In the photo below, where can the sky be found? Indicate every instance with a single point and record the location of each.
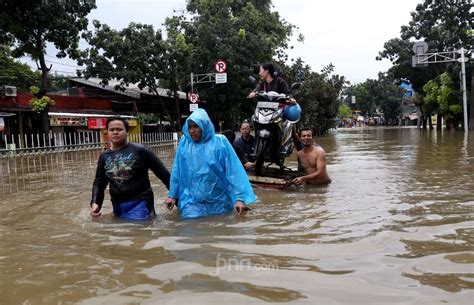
(347, 33)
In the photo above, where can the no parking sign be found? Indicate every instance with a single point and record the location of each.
(220, 66)
(193, 97)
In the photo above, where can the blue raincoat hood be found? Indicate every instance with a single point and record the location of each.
(207, 176)
(201, 119)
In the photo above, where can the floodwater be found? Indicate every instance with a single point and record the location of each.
(394, 227)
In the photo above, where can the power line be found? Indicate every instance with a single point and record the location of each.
(78, 67)
(67, 72)
(59, 63)
(70, 60)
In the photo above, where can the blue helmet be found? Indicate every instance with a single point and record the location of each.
(292, 113)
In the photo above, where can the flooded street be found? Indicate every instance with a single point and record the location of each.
(396, 226)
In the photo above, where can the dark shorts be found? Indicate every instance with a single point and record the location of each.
(132, 210)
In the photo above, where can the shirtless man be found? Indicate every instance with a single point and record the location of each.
(312, 159)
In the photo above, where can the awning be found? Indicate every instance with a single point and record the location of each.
(6, 114)
(90, 115)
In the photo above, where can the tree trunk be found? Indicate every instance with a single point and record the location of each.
(44, 127)
(44, 73)
(401, 113)
(40, 124)
(424, 116)
(450, 125)
(165, 110)
(420, 120)
(439, 126)
(44, 120)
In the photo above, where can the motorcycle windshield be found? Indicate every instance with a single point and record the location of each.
(270, 96)
(207, 176)
(268, 105)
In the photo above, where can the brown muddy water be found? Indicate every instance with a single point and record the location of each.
(394, 227)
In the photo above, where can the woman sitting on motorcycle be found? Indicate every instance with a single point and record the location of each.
(271, 82)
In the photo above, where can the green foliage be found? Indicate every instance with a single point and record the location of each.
(442, 94)
(382, 93)
(34, 90)
(29, 25)
(244, 34)
(178, 58)
(14, 73)
(444, 25)
(344, 111)
(39, 104)
(139, 55)
(365, 100)
(133, 55)
(319, 95)
(146, 118)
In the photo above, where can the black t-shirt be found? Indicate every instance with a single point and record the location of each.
(240, 154)
(126, 172)
(247, 147)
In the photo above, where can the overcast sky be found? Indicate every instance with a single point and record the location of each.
(347, 33)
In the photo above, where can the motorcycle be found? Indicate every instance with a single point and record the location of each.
(273, 126)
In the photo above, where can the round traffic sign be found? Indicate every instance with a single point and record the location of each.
(220, 66)
(420, 47)
(194, 98)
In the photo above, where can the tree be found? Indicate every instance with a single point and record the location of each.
(383, 94)
(344, 111)
(444, 25)
(365, 98)
(15, 73)
(244, 34)
(319, 95)
(440, 94)
(138, 55)
(30, 24)
(387, 95)
(178, 58)
(39, 104)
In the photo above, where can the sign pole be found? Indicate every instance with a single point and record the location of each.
(423, 59)
(219, 78)
(464, 94)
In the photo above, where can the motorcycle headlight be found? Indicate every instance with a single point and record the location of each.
(264, 133)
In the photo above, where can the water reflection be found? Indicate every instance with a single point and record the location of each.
(394, 227)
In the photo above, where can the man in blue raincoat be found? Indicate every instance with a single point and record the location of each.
(207, 177)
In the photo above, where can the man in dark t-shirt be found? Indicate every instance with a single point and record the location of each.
(246, 144)
(124, 167)
(230, 135)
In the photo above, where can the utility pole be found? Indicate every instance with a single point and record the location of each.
(471, 116)
(422, 59)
